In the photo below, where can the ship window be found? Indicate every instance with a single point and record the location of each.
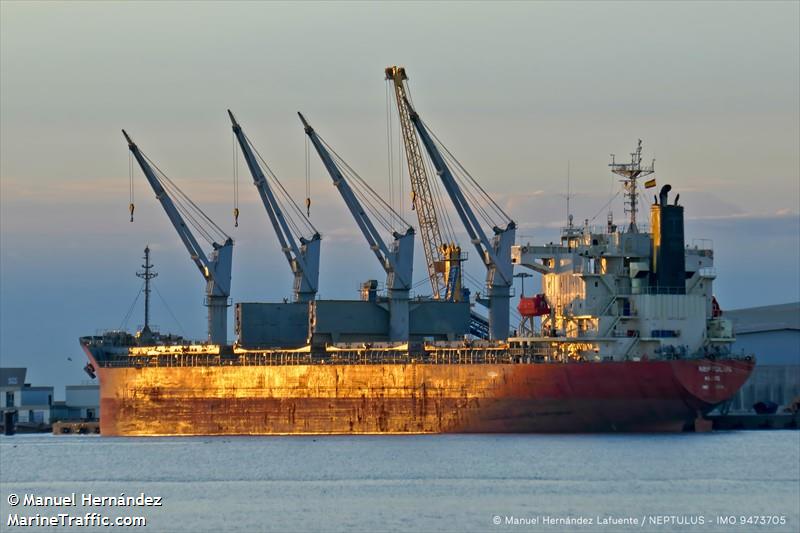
(595, 284)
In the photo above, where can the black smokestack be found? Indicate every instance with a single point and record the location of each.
(668, 272)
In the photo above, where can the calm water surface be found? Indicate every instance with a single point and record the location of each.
(417, 483)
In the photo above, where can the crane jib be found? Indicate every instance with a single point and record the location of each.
(216, 271)
(303, 259)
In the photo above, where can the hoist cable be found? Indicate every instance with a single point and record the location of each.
(475, 202)
(490, 200)
(438, 198)
(210, 225)
(476, 283)
(308, 179)
(605, 206)
(288, 200)
(360, 190)
(367, 197)
(235, 180)
(127, 317)
(389, 145)
(166, 305)
(131, 205)
(363, 185)
(401, 182)
(478, 203)
(458, 164)
(186, 212)
(189, 215)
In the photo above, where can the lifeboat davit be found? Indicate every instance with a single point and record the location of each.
(533, 306)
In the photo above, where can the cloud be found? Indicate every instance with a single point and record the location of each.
(50, 191)
(780, 214)
(515, 202)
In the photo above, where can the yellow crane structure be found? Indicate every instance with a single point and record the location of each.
(443, 259)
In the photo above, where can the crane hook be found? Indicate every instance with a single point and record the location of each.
(131, 208)
(235, 217)
(308, 206)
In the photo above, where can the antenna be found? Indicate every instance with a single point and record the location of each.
(630, 172)
(146, 275)
(569, 195)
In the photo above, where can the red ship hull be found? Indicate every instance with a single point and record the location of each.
(414, 398)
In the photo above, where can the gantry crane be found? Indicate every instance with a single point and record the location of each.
(396, 260)
(495, 254)
(216, 267)
(303, 259)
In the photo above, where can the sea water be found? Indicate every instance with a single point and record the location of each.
(710, 482)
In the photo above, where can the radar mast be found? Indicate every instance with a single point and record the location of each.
(146, 275)
(630, 173)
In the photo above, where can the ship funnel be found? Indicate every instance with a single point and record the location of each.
(662, 196)
(668, 269)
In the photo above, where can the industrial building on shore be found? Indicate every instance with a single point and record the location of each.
(772, 334)
(33, 407)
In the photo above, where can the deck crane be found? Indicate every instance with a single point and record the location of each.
(216, 267)
(396, 260)
(444, 259)
(439, 255)
(496, 254)
(303, 258)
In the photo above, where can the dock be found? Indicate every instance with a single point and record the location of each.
(76, 428)
(756, 421)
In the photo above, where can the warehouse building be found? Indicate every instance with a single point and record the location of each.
(11, 382)
(35, 405)
(30, 405)
(772, 334)
(83, 401)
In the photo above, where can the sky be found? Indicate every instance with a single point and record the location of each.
(519, 92)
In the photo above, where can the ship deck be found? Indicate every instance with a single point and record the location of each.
(464, 356)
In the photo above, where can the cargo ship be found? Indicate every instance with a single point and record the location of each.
(625, 335)
(648, 361)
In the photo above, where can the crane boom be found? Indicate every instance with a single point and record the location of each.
(496, 255)
(397, 261)
(421, 192)
(303, 259)
(216, 269)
